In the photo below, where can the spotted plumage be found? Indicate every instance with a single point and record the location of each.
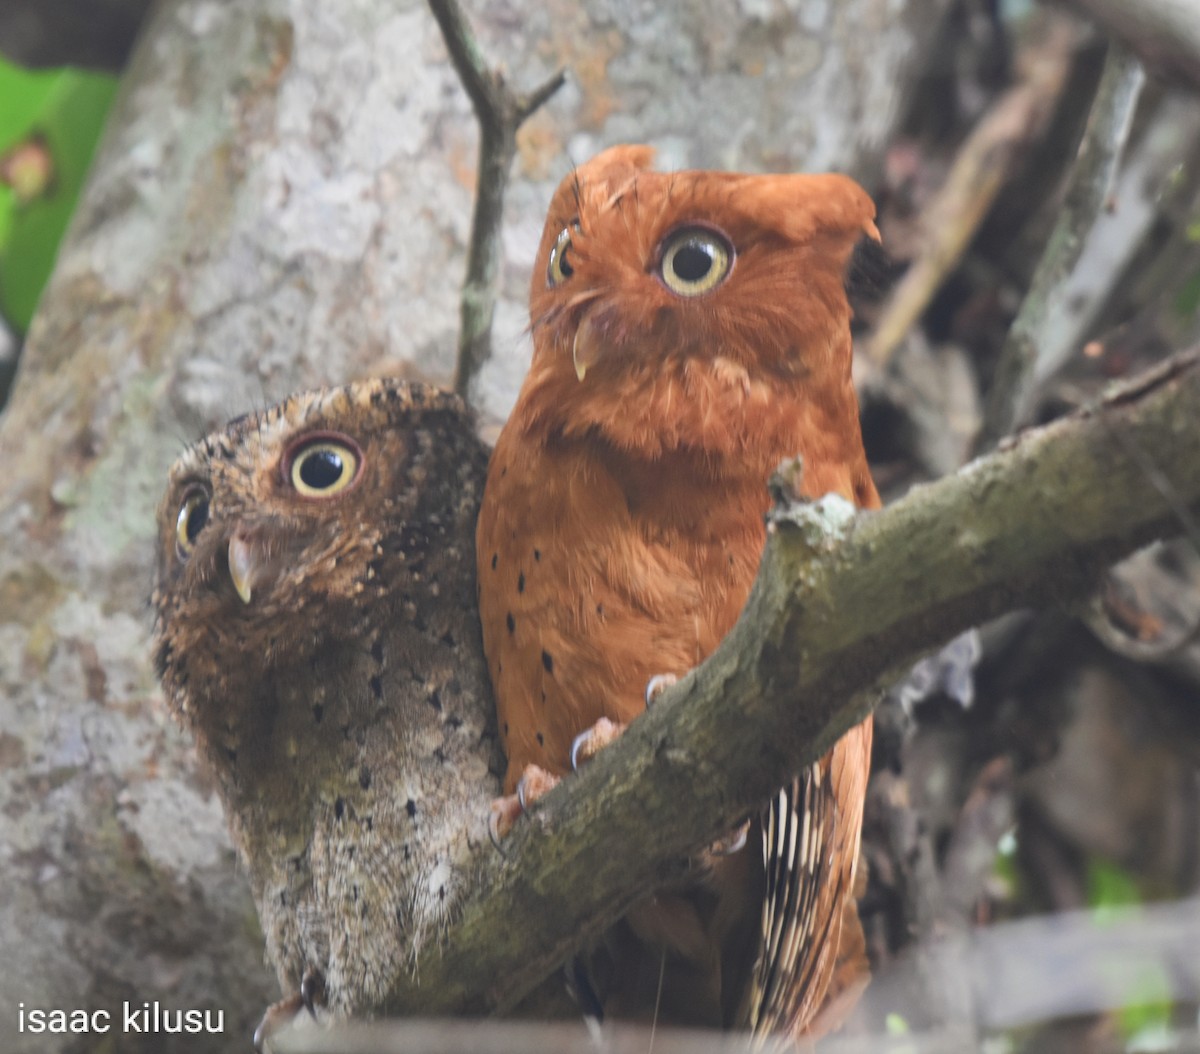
(316, 631)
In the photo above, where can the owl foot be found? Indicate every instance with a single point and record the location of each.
(658, 684)
(587, 745)
(733, 842)
(279, 1015)
(506, 811)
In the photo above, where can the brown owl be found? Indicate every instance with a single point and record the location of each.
(691, 330)
(316, 631)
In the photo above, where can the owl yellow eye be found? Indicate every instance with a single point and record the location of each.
(695, 260)
(559, 269)
(324, 467)
(193, 515)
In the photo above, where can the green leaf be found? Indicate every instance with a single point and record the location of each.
(1113, 891)
(67, 109)
(1109, 887)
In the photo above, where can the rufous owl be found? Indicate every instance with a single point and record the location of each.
(691, 330)
(317, 632)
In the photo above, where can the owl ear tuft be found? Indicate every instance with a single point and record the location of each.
(805, 206)
(635, 156)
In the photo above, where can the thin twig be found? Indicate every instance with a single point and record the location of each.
(501, 112)
(1021, 368)
(981, 168)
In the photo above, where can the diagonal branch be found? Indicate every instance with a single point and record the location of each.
(1166, 33)
(982, 166)
(1021, 366)
(841, 603)
(501, 112)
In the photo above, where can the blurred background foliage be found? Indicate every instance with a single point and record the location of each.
(50, 123)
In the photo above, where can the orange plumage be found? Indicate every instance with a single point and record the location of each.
(691, 330)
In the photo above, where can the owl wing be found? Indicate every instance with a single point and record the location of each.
(810, 844)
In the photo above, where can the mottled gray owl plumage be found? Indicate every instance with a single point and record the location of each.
(316, 630)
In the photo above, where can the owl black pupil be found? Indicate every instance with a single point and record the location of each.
(564, 262)
(692, 261)
(197, 517)
(321, 469)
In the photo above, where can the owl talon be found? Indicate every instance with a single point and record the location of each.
(576, 744)
(534, 783)
(506, 811)
(658, 684)
(588, 744)
(734, 842)
(276, 1018)
(279, 1015)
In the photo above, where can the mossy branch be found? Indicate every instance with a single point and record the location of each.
(841, 604)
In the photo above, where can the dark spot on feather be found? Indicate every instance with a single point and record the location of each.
(511, 622)
(537, 554)
(410, 807)
(376, 687)
(506, 728)
(435, 700)
(521, 582)
(548, 661)
(377, 651)
(364, 777)
(541, 740)
(494, 558)
(318, 712)
(339, 808)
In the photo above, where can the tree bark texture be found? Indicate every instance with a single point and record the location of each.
(282, 198)
(842, 605)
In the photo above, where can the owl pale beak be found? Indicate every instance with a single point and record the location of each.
(585, 349)
(242, 566)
